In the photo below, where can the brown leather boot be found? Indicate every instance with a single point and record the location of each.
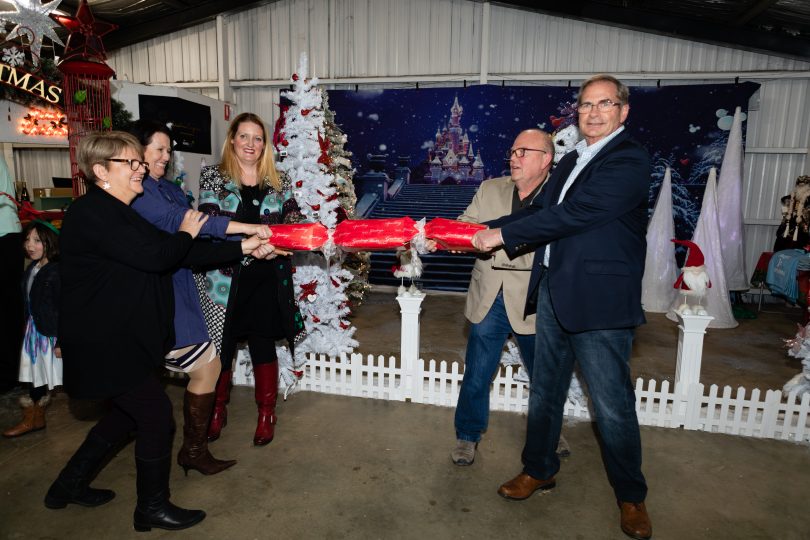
(219, 417)
(522, 486)
(266, 391)
(194, 454)
(635, 521)
(33, 417)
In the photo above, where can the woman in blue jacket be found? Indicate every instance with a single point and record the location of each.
(164, 204)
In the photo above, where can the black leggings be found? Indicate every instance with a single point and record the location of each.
(262, 351)
(147, 411)
(37, 392)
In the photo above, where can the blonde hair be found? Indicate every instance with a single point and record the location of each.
(97, 147)
(267, 174)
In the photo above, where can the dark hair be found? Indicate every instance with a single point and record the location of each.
(145, 129)
(49, 239)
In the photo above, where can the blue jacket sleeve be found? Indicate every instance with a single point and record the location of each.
(166, 214)
(619, 183)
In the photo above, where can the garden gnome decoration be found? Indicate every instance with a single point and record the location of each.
(693, 280)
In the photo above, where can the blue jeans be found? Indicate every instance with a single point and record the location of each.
(484, 348)
(603, 357)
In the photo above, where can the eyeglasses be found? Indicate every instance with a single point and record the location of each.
(520, 152)
(133, 163)
(603, 106)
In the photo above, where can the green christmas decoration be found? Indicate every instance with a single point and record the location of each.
(106, 122)
(121, 117)
(79, 96)
(340, 165)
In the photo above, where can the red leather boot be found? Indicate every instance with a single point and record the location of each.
(219, 416)
(266, 376)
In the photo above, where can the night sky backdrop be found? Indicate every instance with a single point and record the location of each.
(685, 127)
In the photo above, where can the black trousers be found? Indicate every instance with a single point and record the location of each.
(146, 410)
(262, 350)
(12, 323)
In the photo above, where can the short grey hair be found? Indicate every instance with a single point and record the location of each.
(622, 91)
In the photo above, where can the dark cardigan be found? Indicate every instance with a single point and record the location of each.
(117, 302)
(42, 303)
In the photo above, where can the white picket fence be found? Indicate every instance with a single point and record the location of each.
(437, 383)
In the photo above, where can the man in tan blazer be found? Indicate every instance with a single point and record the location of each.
(498, 289)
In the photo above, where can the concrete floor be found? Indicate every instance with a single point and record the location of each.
(356, 468)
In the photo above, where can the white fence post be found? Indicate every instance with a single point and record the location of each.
(691, 330)
(410, 305)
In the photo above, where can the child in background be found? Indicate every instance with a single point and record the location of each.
(40, 359)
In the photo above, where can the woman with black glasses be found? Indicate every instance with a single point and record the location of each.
(116, 325)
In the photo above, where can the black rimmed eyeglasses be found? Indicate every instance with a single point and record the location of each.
(133, 163)
(520, 152)
(602, 106)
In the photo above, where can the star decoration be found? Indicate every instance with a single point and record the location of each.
(33, 16)
(84, 41)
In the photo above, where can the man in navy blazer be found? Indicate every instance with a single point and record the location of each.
(589, 227)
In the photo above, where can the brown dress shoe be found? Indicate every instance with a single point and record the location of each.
(635, 521)
(522, 486)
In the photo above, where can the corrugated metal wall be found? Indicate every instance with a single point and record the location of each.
(443, 39)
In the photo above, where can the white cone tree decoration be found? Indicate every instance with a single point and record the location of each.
(660, 268)
(707, 237)
(729, 208)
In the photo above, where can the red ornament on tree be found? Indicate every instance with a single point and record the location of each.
(324, 144)
(278, 131)
(295, 76)
(299, 183)
(305, 112)
(315, 207)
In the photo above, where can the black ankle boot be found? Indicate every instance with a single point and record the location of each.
(72, 484)
(154, 508)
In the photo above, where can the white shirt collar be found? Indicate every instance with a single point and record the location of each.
(588, 151)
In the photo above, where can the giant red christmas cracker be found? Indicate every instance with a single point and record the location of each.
(375, 234)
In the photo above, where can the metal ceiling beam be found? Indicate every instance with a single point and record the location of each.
(707, 31)
(748, 13)
(176, 4)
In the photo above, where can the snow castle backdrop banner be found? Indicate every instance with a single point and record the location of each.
(462, 135)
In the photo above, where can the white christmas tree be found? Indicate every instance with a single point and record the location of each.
(729, 207)
(707, 237)
(660, 268)
(320, 282)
